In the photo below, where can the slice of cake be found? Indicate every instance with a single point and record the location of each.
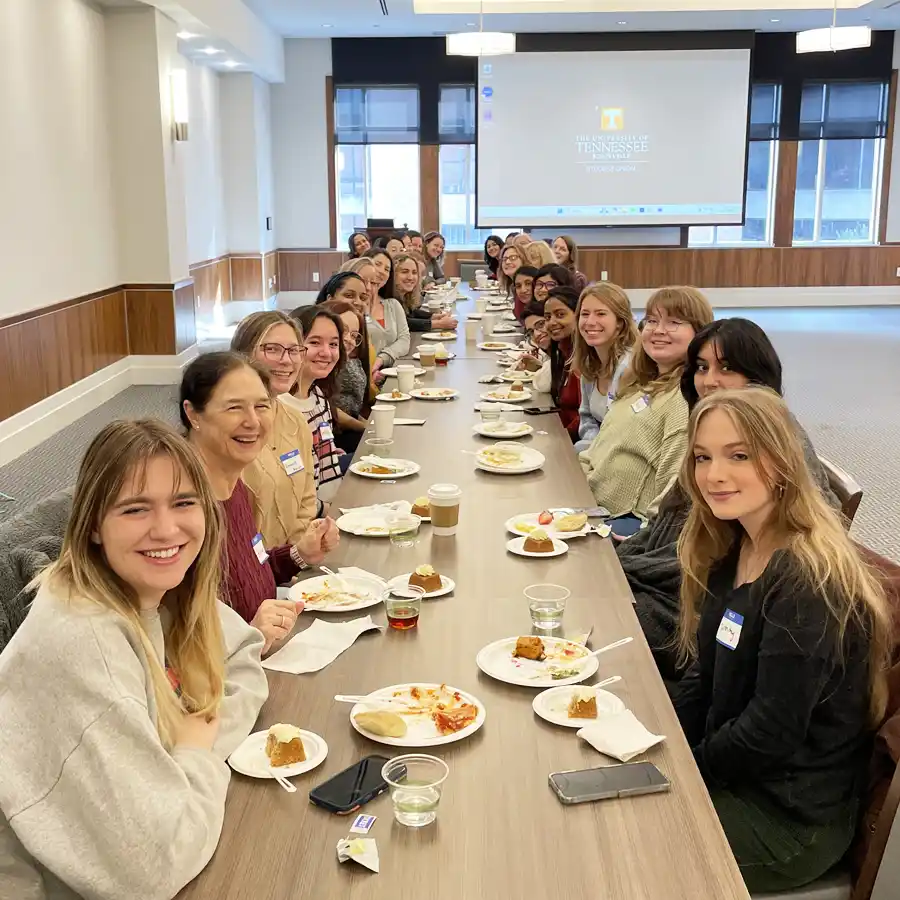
(529, 647)
(583, 704)
(421, 507)
(538, 542)
(572, 522)
(426, 578)
(284, 745)
(517, 387)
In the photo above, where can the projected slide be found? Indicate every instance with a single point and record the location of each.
(613, 138)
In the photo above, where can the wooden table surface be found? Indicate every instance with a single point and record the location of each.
(500, 829)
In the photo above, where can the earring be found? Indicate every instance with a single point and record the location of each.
(780, 490)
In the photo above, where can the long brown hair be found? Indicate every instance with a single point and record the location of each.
(339, 307)
(194, 642)
(801, 522)
(411, 300)
(252, 330)
(572, 248)
(584, 359)
(643, 375)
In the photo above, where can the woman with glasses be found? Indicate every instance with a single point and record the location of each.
(565, 250)
(523, 289)
(408, 290)
(359, 243)
(352, 404)
(434, 244)
(511, 260)
(603, 341)
(355, 283)
(492, 247)
(388, 328)
(549, 277)
(638, 451)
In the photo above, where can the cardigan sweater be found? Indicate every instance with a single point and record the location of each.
(594, 404)
(391, 340)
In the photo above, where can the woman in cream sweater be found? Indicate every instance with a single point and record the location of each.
(638, 451)
(113, 783)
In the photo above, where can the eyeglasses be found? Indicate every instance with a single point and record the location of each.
(277, 352)
(546, 285)
(352, 339)
(540, 328)
(670, 326)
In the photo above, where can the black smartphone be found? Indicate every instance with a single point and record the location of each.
(625, 526)
(539, 410)
(606, 782)
(347, 791)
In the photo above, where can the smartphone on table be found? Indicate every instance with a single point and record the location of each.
(539, 410)
(607, 782)
(625, 526)
(347, 791)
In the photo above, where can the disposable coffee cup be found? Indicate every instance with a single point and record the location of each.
(406, 378)
(489, 322)
(444, 500)
(481, 304)
(383, 415)
(426, 356)
(472, 326)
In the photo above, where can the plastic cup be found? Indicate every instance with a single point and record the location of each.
(416, 782)
(403, 529)
(444, 499)
(383, 415)
(406, 378)
(426, 356)
(472, 326)
(547, 604)
(489, 322)
(481, 304)
(382, 447)
(402, 605)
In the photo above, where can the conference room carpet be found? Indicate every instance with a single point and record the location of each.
(842, 381)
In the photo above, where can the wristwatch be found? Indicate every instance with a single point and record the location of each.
(298, 560)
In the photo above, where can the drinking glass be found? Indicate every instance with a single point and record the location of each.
(402, 605)
(547, 603)
(379, 447)
(416, 782)
(403, 529)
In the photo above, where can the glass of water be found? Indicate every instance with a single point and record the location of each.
(547, 603)
(416, 781)
(403, 529)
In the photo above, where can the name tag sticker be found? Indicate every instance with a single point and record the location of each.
(325, 432)
(292, 462)
(259, 548)
(640, 404)
(362, 824)
(729, 632)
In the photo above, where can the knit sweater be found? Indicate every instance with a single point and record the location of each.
(93, 805)
(352, 389)
(247, 581)
(391, 340)
(283, 505)
(637, 452)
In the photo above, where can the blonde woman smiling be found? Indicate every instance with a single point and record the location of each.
(388, 329)
(603, 339)
(638, 451)
(566, 251)
(511, 260)
(127, 685)
(408, 290)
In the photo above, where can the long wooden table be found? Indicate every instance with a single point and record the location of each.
(500, 829)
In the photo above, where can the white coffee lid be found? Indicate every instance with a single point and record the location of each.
(383, 406)
(444, 491)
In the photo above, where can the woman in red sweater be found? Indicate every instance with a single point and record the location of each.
(565, 383)
(226, 409)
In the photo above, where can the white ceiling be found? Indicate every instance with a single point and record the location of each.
(364, 18)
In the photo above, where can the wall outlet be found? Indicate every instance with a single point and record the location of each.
(604, 275)
(315, 277)
(898, 271)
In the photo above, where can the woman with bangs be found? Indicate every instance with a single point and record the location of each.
(387, 323)
(127, 686)
(638, 451)
(408, 290)
(790, 640)
(357, 291)
(603, 339)
(511, 260)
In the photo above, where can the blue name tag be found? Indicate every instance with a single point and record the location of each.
(729, 632)
(292, 462)
(259, 548)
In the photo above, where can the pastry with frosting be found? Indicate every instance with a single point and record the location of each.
(284, 745)
(538, 542)
(421, 507)
(426, 578)
(583, 704)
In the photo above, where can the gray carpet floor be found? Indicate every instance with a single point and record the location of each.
(842, 381)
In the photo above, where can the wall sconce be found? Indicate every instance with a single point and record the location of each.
(179, 104)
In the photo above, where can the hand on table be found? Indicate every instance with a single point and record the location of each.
(275, 619)
(441, 322)
(194, 732)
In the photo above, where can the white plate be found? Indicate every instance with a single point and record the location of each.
(497, 345)
(517, 546)
(409, 468)
(532, 520)
(517, 376)
(475, 316)
(387, 398)
(506, 432)
(448, 585)
(250, 758)
(352, 523)
(553, 704)
(497, 661)
(531, 461)
(450, 355)
(370, 589)
(421, 730)
(439, 336)
(391, 371)
(505, 397)
(429, 394)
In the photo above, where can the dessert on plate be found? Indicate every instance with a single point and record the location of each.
(583, 704)
(375, 469)
(426, 578)
(284, 745)
(529, 647)
(538, 541)
(396, 395)
(516, 387)
(381, 722)
(421, 507)
(572, 522)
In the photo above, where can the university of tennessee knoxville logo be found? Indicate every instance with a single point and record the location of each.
(612, 118)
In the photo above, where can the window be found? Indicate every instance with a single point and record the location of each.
(376, 157)
(840, 162)
(762, 159)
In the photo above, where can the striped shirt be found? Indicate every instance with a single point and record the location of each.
(326, 454)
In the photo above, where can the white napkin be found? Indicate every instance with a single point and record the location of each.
(409, 421)
(321, 643)
(499, 407)
(619, 735)
(356, 572)
(384, 462)
(397, 506)
(361, 850)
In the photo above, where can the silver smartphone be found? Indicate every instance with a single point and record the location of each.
(606, 782)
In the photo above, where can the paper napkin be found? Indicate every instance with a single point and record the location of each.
(361, 850)
(321, 643)
(620, 735)
(409, 421)
(384, 509)
(386, 463)
(487, 405)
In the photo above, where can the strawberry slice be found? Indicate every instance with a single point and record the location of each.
(545, 518)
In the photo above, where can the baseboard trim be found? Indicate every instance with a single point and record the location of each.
(28, 428)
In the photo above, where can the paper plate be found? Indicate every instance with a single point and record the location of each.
(439, 336)
(517, 546)
(369, 589)
(448, 585)
(250, 758)
(435, 394)
(391, 371)
(409, 468)
(508, 430)
(503, 396)
(450, 355)
(553, 704)
(531, 461)
(496, 345)
(496, 660)
(530, 522)
(388, 398)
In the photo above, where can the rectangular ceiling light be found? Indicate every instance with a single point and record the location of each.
(849, 37)
(481, 43)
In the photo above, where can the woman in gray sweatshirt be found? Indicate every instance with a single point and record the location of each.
(126, 687)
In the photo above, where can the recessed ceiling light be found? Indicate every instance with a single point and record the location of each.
(328, 26)
(186, 36)
(623, 22)
(774, 20)
(230, 63)
(211, 51)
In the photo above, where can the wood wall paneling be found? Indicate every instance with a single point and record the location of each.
(329, 156)
(429, 187)
(888, 157)
(185, 316)
(329, 262)
(246, 277)
(785, 190)
(212, 284)
(270, 273)
(151, 322)
(295, 268)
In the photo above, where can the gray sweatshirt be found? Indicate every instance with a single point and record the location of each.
(92, 804)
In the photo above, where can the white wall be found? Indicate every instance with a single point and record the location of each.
(299, 145)
(57, 222)
(262, 111)
(204, 192)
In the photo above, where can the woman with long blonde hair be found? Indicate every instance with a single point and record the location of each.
(604, 336)
(791, 640)
(116, 719)
(638, 451)
(511, 260)
(538, 254)
(565, 250)
(408, 290)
